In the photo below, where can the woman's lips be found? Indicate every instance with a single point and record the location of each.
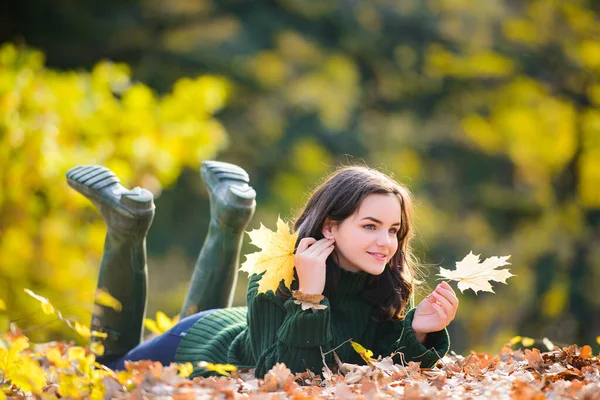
(377, 256)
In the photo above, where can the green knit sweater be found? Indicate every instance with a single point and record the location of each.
(270, 330)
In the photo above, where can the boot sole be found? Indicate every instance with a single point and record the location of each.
(213, 172)
(91, 180)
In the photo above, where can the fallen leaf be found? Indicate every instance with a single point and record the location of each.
(366, 354)
(534, 359)
(221, 369)
(586, 352)
(97, 348)
(549, 345)
(516, 339)
(54, 355)
(527, 341)
(276, 378)
(185, 370)
(105, 299)
(308, 301)
(83, 330)
(97, 334)
(471, 274)
(276, 257)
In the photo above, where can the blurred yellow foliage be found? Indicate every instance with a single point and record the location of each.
(50, 237)
(555, 299)
(484, 63)
(332, 89)
(309, 78)
(536, 129)
(309, 163)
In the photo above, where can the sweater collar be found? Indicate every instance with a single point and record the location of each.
(351, 283)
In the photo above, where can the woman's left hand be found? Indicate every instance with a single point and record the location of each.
(435, 312)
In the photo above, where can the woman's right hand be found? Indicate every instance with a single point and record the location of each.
(309, 259)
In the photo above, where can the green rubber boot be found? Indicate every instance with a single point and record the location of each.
(123, 273)
(232, 204)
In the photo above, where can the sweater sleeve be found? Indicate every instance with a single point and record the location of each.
(403, 340)
(279, 331)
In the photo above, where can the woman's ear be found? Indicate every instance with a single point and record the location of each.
(328, 228)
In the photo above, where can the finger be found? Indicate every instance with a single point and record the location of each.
(446, 305)
(447, 286)
(442, 301)
(448, 295)
(304, 244)
(441, 313)
(326, 252)
(318, 247)
(430, 298)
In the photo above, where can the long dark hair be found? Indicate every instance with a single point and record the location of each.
(337, 198)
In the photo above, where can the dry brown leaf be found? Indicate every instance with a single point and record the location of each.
(534, 359)
(306, 305)
(586, 352)
(570, 372)
(307, 301)
(526, 391)
(277, 378)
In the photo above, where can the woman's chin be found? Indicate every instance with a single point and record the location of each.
(375, 270)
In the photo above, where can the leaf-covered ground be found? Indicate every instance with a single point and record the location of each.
(512, 374)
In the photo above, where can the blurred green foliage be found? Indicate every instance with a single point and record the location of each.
(488, 110)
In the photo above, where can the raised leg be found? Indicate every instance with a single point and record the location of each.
(123, 273)
(232, 203)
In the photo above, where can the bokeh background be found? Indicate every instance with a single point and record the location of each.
(487, 110)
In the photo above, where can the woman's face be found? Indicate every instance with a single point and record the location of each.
(367, 239)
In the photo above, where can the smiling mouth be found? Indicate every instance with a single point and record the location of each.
(379, 257)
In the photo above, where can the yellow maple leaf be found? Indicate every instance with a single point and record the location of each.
(221, 369)
(276, 257)
(471, 274)
(366, 354)
(2, 305)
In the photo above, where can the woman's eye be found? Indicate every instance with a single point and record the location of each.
(393, 231)
(370, 226)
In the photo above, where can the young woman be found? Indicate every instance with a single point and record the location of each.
(353, 248)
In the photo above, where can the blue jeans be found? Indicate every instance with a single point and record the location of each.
(160, 348)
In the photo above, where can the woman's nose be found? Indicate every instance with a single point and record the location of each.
(383, 240)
